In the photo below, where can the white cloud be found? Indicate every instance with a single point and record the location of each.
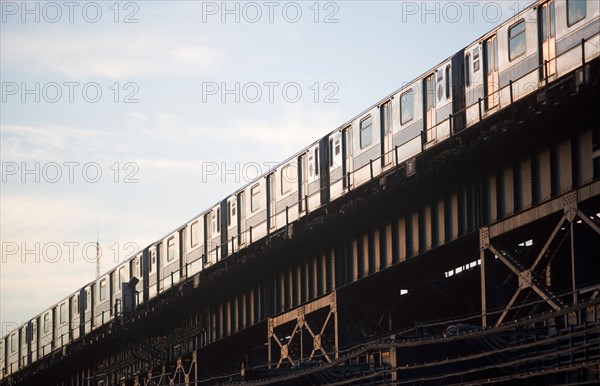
(48, 142)
(107, 54)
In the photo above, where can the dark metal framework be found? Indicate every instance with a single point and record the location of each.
(480, 265)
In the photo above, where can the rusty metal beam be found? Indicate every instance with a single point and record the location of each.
(526, 277)
(547, 208)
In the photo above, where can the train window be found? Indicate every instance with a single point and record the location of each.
(255, 198)
(194, 234)
(543, 24)
(448, 82)
(87, 300)
(495, 54)
(407, 106)
(576, 11)
(47, 323)
(218, 222)
(316, 161)
(516, 40)
(287, 179)
(103, 290)
(475, 59)
(122, 277)
(366, 134)
(228, 213)
(385, 117)
(337, 146)
(468, 69)
(63, 313)
(330, 152)
(232, 208)
(170, 249)
(551, 15)
(429, 92)
(75, 303)
(13, 343)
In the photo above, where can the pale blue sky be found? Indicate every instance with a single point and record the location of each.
(174, 132)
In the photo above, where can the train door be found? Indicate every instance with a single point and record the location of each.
(271, 199)
(32, 331)
(232, 224)
(88, 310)
(313, 177)
(23, 347)
(301, 181)
(152, 264)
(46, 333)
(241, 206)
(346, 155)
(213, 235)
(385, 111)
(336, 176)
(547, 37)
(429, 100)
(490, 68)
(75, 320)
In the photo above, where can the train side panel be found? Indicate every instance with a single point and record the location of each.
(576, 21)
(407, 132)
(256, 210)
(75, 318)
(135, 270)
(102, 304)
(213, 235)
(231, 222)
(169, 268)
(195, 245)
(366, 150)
(12, 352)
(61, 325)
(121, 275)
(438, 107)
(46, 333)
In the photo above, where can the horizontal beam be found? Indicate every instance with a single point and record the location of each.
(537, 212)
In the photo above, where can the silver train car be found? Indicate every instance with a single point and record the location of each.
(541, 44)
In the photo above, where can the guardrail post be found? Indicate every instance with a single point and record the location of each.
(451, 125)
(479, 106)
(371, 168)
(306, 202)
(250, 234)
(396, 154)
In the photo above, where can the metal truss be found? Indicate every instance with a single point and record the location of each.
(318, 320)
(536, 277)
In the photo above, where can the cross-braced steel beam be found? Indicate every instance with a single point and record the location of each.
(529, 278)
(301, 317)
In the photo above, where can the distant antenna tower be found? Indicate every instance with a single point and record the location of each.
(97, 250)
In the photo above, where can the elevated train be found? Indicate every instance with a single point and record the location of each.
(543, 43)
